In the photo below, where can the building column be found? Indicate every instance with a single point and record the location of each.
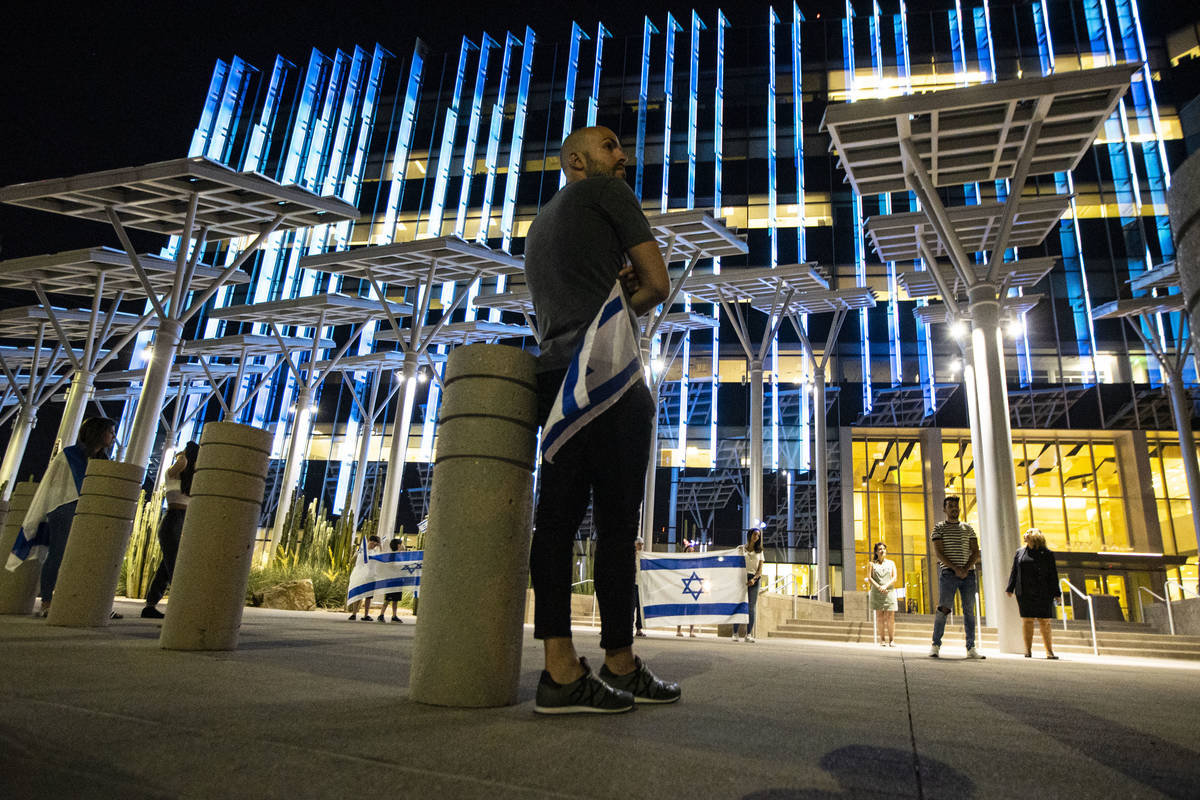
(933, 475)
(15, 452)
(154, 389)
(398, 453)
(81, 391)
(998, 536)
(754, 507)
(1181, 408)
(821, 456)
(651, 474)
(846, 436)
(297, 449)
(1183, 204)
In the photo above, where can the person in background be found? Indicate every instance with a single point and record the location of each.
(47, 524)
(753, 550)
(690, 547)
(638, 544)
(883, 595)
(1034, 581)
(397, 545)
(179, 493)
(373, 547)
(957, 550)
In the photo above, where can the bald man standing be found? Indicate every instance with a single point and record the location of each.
(576, 250)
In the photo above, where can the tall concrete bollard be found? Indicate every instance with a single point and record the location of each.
(91, 565)
(467, 650)
(18, 589)
(1183, 203)
(208, 589)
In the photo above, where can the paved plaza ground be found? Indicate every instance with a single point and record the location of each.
(312, 705)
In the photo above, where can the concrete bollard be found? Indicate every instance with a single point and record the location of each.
(18, 589)
(467, 650)
(216, 549)
(91, 565)
(1183, 203)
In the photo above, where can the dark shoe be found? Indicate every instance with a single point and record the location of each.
(115, 615)
(367, 618)
(150, 612)
(397, 619)
(587, 695)
(1029, 655)
(382, 618)
(640, 632)
(642, 684)
(1052, 657)
(354, 615)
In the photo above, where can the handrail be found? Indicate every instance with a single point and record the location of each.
(1167, 600)
(581, 583)
(1183, 590)
(827, 586)
(1091, 610)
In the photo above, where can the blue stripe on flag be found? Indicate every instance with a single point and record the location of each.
(609, 309)
(695, 609)
(403, 555)
(598, 396)
(703, 562)
(375, 587)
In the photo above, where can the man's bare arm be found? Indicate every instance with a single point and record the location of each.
(653, 283)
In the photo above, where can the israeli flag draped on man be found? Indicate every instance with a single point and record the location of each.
(607, 363)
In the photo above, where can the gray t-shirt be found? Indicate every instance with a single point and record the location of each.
(574, 250)
(957, 538)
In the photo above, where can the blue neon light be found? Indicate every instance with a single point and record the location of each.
(468, 168)
(404, 137)
(643, 97)
(493, 148)
(517, 144)
(437, 204)
(668, 106)
(594, 99)
(577, 35)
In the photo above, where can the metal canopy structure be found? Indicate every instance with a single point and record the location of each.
(1021, 274)
(977, 133)
(694, 233)
(770, 291)
(903, 406)
(1172, 354)
(25, 322)
(315, 313)
(417, 267)
(105, 272)
(1013, 307)
(197, 200)
(910, 235)
(1163, 276)
(157, 197)
(469, 332)
(1009, 130)
(840, 303)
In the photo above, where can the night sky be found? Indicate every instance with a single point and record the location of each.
(104, 85)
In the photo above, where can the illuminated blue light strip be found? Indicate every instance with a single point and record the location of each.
(860, 267)
(895, 346)
(437, 206)
(229, 109)
(773, 220)
(212, 99)
(718, 159)
(408, 124)
(805, 460)
(668, 107)
(594, 99)
(493, 148)
(515, 147)
(468, 169)
(643, 98)
(316, 168)
(693, 112)
(577, 35)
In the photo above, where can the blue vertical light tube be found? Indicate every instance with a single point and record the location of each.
(643, 98)
(895, 346)
(437, 206)
(408, 123)
(577, 34)
(493, 148)
(468, 168)
(516, 145)
(221, 140)
(805, 461)
(602, 33)
(212, 99)
(773, 219)
(718, 158)
(668, 107)
(860, 266)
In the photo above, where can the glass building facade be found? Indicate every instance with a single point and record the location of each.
(723, 111)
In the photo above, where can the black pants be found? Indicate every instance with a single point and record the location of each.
(168, 539)
(606, 461)
(58, 524)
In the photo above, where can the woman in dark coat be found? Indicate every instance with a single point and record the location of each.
(1034, 580)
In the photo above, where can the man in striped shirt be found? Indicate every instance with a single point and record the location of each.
(957, 550)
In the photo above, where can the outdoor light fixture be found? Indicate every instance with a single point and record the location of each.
(958, 330)
(1013, 328)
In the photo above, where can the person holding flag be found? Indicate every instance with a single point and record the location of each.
(597, 413)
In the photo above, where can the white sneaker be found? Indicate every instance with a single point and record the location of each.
(974, 653)
(934, 650)
(735, 638)
(750, 638)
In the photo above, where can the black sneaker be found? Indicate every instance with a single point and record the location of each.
(643, 684)
(150, 612)
(587, 695)
(367, 618)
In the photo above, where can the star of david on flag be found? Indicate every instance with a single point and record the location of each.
(693, 588)
(607, 363)
(376, 574)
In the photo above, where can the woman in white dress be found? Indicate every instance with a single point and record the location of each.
(883, 595)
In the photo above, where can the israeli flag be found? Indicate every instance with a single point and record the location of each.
(376, 574)
(693, 588)
(607, 363)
